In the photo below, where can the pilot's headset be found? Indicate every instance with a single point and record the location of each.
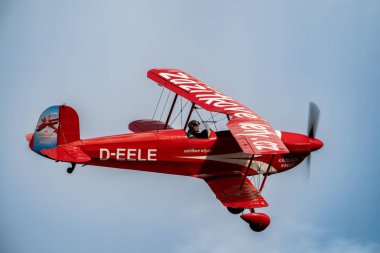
(192, 124)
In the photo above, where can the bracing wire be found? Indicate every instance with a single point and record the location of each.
(204, 122)
(211, 117)
(217, 120)
(163, 109)
(213, 120)
(159, 100)
(261, 170)
(180, 112)
(259, 181)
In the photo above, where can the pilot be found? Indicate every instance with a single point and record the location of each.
(194, 132)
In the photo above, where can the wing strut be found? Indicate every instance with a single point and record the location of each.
(266, 174)
(188, 117)
(171, 110)
(246, 171)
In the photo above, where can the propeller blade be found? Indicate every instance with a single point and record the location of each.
(313, 119)
(311, 131)
(307, 170)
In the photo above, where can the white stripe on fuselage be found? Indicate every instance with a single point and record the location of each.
(239, 158)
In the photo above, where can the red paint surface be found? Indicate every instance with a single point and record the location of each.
(221, 160)
(260, 218)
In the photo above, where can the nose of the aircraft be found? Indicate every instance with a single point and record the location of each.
(315, 144)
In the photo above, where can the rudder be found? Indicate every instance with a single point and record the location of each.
(57, 125)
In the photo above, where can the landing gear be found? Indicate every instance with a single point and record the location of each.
(71, 169)
(257, 227)
(235, 210)
(257, 221)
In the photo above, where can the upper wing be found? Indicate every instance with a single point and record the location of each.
(231, 193)
(254, 134)
(199, 93)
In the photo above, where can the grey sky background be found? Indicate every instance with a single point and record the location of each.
(273, 56)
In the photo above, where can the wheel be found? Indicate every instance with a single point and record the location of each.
(235, 210)
(71, 169)
(257, 221)
(257, 227)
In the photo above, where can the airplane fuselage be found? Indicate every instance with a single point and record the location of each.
(172, 152)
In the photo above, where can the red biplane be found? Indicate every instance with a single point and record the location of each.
(225, 159)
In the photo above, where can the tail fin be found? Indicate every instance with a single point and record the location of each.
(57, 125)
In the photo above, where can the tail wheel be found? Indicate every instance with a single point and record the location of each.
(71, 169)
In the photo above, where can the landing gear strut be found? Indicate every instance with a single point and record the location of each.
(71, 169)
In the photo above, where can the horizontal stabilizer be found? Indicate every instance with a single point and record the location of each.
(67, 153)
(144, 125)
(232, 193)
(29, 137)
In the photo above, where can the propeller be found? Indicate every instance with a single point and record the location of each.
(313, 119)
(312, 129)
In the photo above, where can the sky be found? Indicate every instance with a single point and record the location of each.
(273, 56)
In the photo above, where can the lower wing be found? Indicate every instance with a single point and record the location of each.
(232, 191)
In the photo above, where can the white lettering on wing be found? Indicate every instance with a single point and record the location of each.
(253, 129)
(208, 96)
(257, 134)
(169, 75)
(182, 81)
(260, 145)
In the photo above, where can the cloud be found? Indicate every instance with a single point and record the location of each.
(284, 236)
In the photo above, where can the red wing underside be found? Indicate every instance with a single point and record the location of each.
(228, 191)
(253, 133)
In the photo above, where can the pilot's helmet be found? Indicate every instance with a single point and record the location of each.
(193, 123)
